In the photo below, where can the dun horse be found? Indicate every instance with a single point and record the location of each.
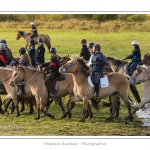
(141, 75)
(118, 66)
(63, 87)
(26, 36)
(118, 83)
(5, 78)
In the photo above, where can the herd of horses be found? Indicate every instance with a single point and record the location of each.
(74, 82)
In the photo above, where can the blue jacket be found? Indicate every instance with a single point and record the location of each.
(98, 62)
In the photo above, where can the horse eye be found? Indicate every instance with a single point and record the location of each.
(15, 74)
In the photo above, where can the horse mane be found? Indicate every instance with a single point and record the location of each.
(33, 69)
(21, 32)
(81, 60)
(115, 61)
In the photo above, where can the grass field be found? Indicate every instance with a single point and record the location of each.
(67, 42)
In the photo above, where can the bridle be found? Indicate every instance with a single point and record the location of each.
(24, 82)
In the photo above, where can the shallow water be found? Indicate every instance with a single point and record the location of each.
(144, 114)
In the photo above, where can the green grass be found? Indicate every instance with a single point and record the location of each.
(67, 42)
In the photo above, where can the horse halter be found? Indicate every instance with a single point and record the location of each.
(24, 82)
(132, 80)
(70, 65)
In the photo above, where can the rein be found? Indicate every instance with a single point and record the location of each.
(25, 82)
(5, 79)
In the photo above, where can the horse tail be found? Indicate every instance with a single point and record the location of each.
(135, 93)
(95, 104)
(48, 42)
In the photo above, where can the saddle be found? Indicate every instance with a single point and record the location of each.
(103, 81)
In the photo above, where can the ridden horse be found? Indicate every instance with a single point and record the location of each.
(5, 78)
(141, 75)
(118, 83)
(26, 36)
(63, 87)
(118, 66)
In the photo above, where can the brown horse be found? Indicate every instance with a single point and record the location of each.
(63, 87)
(146, 59)
(5, 78)
(26, 36)
(118, 66)
(118, 83)
(141, 75)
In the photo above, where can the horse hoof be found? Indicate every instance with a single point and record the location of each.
(110, 118)
(21, 110)
(53, 117)
(69, 116)
(36, 118)
(81, 120)
(31, 112)
(17, 115)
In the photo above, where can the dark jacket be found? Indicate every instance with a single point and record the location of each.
(98, 62)
(40, 54)
(53, 65)
(3, 58)
(34, 29)
(24, 60)
(32, 53)
(135, 56)
(85, 53)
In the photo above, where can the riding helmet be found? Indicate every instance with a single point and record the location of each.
(32, 42)
(90, 45)
(32, 23)
(97, 46)
(22, 50)
(53, 50)
(40, 40)
(135, 43)
(2, 46)
(3, 41)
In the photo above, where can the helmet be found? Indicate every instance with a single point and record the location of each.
(83, 41)
(135, 43)
(32, 42)
(22, 50)
(3, 41)
(2, 46)
(53, 50)
(97, 46)
(90, 45)
(32, 23)
(40, 40)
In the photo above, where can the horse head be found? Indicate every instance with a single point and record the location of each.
(76, 64)
(17, 75)
(139, 75)
(19, 34)
(146, 59)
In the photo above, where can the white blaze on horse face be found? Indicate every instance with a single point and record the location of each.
(62, 70)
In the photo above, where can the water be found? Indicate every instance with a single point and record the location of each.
(144, 114)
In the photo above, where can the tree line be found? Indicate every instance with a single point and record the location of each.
(60, 17)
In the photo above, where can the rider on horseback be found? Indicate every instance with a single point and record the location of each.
(33, 30)
(97, 65)
(24, 61)
(3, 55)
(8, 52)
(52, 69)
(135, 56)
(40, 52)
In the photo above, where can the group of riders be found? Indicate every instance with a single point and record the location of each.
(36, 56)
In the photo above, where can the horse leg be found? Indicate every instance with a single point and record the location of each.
(6, 104)
(85, 108)
(38, 108)
(140, 105)
(90, 114)
(31, 105)
(12, 108)
(1, 110)
(114, 101)
(117, 112)
(42, 104)
(135, 92)
(60, 104)
(17, 108)
(23, 106)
